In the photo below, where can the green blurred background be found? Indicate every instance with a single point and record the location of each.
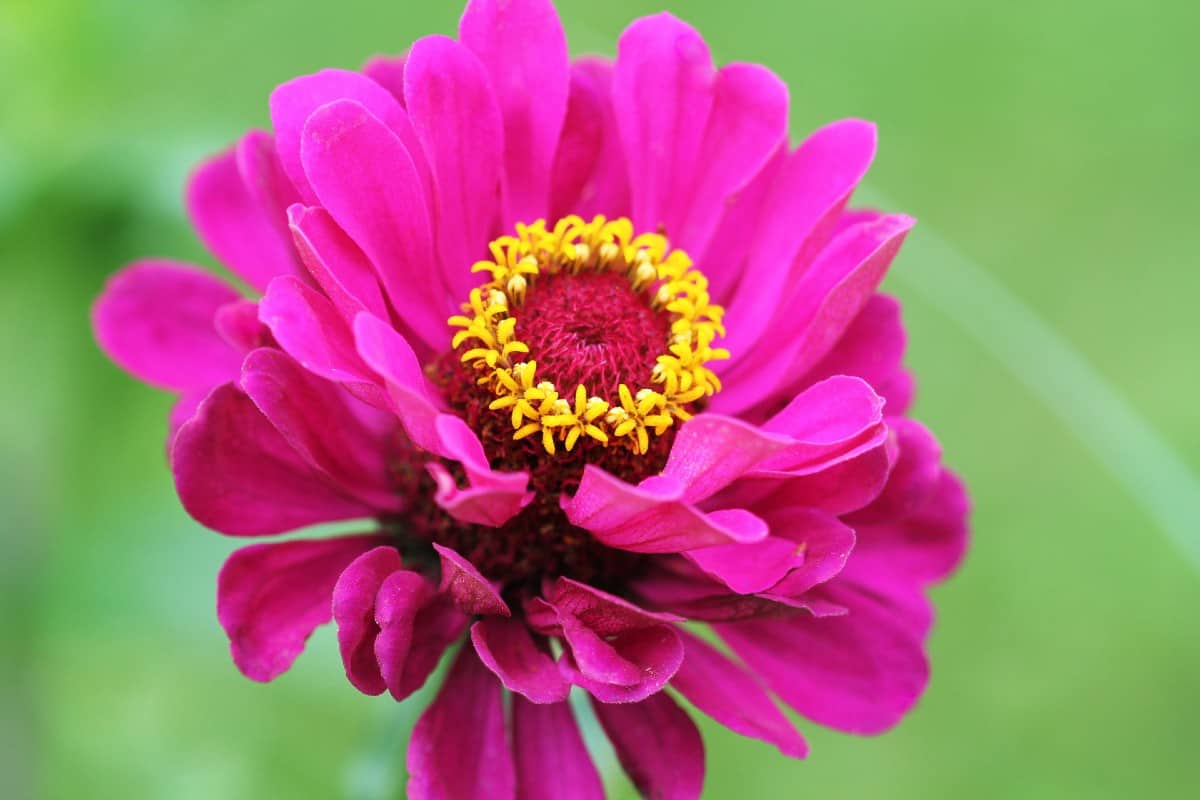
(1053, 143)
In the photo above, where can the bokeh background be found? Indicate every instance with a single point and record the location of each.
(1049, 149)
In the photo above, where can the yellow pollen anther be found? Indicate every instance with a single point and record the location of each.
(491, 344)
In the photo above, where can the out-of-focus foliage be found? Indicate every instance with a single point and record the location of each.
(1056, 142)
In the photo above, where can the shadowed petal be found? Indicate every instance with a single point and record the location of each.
(467, 589)
(589, 175)
(657, 744)
(552, 761)
(859, 673)
(726, 692)
(458, 749)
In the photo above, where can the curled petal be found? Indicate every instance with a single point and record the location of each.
(270, 598)
(467, 589)
(507, 648)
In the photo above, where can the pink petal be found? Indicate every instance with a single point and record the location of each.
(605, 613)
(524, 50)
(269, 186)
(859, 673)
(270, 598)
(696, 596)
(831, 422)
(805, 200)
(407, 645)
(824, 542)
(239, 231)
(493, 497)
(454, 112)
(508, 649)
(238, 324)
(652, 517)
(663, 93)
(313, 417)
(309, 328)
(155, 319)
(437, 626)
(872, 348)
(551, 759)
(589, 175)
(337, 264)
(625, 668)
(294, 102)
(236, 474)
(466, 588)
(354, 612)
(726, 692)
(657, 744)
(918, 528)
(388, 72)
(458, 749)
(750, 568)
(413, 398)
(363, 175)
(825, 301)
(747, 124)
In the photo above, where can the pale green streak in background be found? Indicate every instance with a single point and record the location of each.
(1054, 143)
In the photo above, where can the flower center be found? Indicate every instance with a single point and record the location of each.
(588, 345)
(587, 331)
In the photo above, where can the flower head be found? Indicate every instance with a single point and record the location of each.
(592, 352)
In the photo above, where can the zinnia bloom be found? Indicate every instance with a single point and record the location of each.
(592, 352)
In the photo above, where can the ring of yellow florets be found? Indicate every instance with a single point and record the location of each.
(679, 378)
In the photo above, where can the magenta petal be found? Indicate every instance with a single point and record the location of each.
(747, 123)
(292, 104)
(399, 604)
(859, 673)
(366, 179)
(662, 93)
(589, 175)
(805, 199)
(156, 320)
(309, 329)
(827, 298)
(240, 327)
(551, 758)
(524, 50)
(354, 612)
(269, 186)
(653, 517)
(507, 648)
(726, 692)
(437, 626)
(337, 264)
(313, 416)
(824, 542)
(467, 589)
(657, 744)
(234, 226)
(872, 348)
(388, 72)
(605, 613)
(626, 668)
(494, 497)
(270, 598)
(454, 112)
(236, 473)
(696, 596)
(458, 749)
(750, 568)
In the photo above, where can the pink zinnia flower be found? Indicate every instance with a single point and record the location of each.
(492, 326)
